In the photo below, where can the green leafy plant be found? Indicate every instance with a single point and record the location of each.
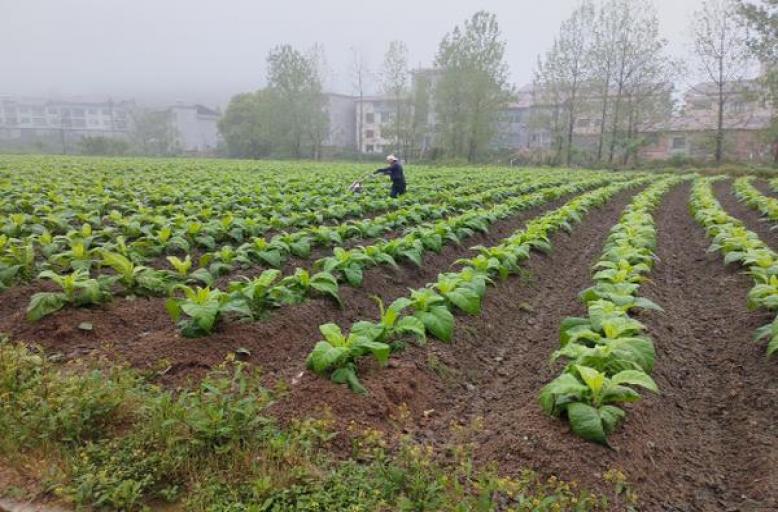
(254, 295)
(348, 263)
(295, 288)
(77, 288)
(588, 396)
(392, 324)
(198, 311)
(135, 278)
(336, 355)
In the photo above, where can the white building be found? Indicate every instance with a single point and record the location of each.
(61, 122)
(197, 128)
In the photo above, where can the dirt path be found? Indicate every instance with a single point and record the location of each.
(708, 442)
(764, 187)
(750, 217)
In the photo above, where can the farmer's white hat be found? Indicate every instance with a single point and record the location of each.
(391, 158)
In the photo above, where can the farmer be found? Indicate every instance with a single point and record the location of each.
(395, 173)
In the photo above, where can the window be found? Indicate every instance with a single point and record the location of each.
(24, 110)
(38, 111)
(52, 110)
(78, 112)
(106, 111)
(92, 111)
(369, 148)
(679, 142)
(79, 123)
(93, 122)
(370, 134)
(370, 118)
(24, 120)
(39, 121)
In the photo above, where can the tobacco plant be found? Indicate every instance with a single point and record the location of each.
(77, 288)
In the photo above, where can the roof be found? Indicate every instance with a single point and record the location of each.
(708, 121)
(96, 101)
(736, 86)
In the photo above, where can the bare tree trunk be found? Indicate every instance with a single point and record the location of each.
(630, 128)
(720, 119)
(614, 127)
(571, 123)
(603, 116)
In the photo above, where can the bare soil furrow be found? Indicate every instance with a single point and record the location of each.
(750, 217)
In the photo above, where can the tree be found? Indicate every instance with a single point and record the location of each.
(473, 86)
(360, 78)
(247, 125)
(547, 100)
(722, 54)
(153, 133)
(300, 116)
(638, 50)
(420, 112)
(602, 59)
(761, 20)
(395, 85)
(565, 66)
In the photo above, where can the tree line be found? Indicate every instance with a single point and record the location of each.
(456, 107)
(607, 74)
(609, 65)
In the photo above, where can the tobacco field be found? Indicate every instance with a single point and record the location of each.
(234, 335)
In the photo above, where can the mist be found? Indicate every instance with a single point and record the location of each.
(206, 51)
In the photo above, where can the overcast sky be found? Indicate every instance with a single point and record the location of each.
(206, 50)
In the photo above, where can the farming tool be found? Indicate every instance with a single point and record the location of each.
(356, 186)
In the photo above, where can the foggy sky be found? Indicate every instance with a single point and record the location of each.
(160, 51)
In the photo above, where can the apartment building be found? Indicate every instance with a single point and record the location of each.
(60, 122)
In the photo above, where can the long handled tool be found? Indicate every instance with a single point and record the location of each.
(356, 186)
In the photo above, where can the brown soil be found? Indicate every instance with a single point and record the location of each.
(140, 332)
(708, 442)
(764, 187)
(751, 218)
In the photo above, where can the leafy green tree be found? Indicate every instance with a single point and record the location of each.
(395, 85)
(472, 88)
(153, 133)
(247, 125)
(288, 117)
(296, 88)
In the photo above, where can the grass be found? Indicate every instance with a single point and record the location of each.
(100, 436)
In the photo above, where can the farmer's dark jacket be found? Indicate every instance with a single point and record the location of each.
(394, 171)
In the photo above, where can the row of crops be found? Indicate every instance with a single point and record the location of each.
(235, 242)
(102, 253)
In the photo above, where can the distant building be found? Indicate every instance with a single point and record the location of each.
(197, 128)
(378, 112)
(342, 134)
(747, 113)
(61, 123)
